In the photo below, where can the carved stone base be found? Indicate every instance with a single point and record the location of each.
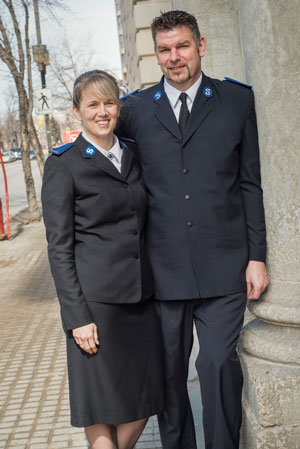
(271, 399)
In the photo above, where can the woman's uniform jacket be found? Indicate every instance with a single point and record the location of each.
(205, 204)
(94, 219)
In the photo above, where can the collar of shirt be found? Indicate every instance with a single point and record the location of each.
(173, 95)
(116, 149)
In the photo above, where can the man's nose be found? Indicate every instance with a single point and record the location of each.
(174, 55)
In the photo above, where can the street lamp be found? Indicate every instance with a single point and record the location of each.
(71, 67)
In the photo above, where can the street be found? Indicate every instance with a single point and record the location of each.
(16, 186)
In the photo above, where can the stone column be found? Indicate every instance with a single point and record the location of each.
(219, 23)
(270, 352)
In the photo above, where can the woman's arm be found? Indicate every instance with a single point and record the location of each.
(58, 200)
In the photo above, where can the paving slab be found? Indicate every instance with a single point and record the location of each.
(33, 373)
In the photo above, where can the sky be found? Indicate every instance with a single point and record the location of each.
(92, 19)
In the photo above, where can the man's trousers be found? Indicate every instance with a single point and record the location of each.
(218, 322)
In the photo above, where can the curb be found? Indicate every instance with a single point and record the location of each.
(18, 221)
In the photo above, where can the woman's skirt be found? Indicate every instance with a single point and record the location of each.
(123, 381)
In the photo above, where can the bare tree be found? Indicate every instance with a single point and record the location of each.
(15, 52)
(68, 60)
(15, 57)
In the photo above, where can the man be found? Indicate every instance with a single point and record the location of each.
(206, 228)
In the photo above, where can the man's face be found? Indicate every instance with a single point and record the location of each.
(179, 56)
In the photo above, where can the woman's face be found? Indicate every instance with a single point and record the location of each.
(98, 116)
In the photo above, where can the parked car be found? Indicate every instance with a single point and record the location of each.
(8, 156)
(17, 152)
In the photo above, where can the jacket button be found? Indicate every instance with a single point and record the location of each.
(133, 208)
(135, 232)
(190, 224)
(136, 256)
(187, 197)
(185, 171)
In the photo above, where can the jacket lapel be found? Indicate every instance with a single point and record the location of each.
(201, 108)
(126, 160)
(163, 111)
(98, 159)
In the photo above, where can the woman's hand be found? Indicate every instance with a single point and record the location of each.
(87, 337)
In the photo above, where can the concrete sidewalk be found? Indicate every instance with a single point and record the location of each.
(34, 386)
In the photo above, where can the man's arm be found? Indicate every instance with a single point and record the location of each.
(250, 182)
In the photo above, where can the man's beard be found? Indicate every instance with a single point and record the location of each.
(168, 76)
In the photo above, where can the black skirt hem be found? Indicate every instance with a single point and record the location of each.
(90, 420)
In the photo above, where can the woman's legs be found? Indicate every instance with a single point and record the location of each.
(108, 436)
(129, 433)
(102, 436)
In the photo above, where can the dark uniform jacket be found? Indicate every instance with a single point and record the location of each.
(94, 219)
(206, 215)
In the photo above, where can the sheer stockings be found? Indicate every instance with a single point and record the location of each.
(108, 436)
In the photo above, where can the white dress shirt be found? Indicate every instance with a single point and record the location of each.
(173, 96)
(114, 154)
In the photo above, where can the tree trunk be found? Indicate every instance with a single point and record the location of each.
(34, 213)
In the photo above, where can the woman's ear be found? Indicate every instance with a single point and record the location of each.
(77, 113)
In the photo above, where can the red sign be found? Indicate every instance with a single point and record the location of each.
(70, 135)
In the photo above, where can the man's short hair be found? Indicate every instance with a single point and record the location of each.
(172, 19)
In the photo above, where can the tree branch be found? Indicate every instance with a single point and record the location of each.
(10, 7)
(6, 53)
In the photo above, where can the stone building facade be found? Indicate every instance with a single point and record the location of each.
(258, 42)
(134, 18)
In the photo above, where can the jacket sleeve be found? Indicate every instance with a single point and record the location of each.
(58, 198)
(250, 183)
(123, 128)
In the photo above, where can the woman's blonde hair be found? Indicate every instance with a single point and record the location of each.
(102, 82)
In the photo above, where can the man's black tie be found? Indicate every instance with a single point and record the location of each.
(184, 113)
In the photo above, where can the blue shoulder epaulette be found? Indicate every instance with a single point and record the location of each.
(128, 95)
(60, 150)
(238, 82)
(126, 139)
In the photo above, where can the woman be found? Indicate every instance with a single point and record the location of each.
(94, 207)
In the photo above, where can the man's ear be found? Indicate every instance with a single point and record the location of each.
(156, 54)
(202, 46)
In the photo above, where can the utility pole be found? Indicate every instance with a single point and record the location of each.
(40, 55)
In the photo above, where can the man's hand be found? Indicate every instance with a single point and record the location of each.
(256, 278)
(87, 337)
